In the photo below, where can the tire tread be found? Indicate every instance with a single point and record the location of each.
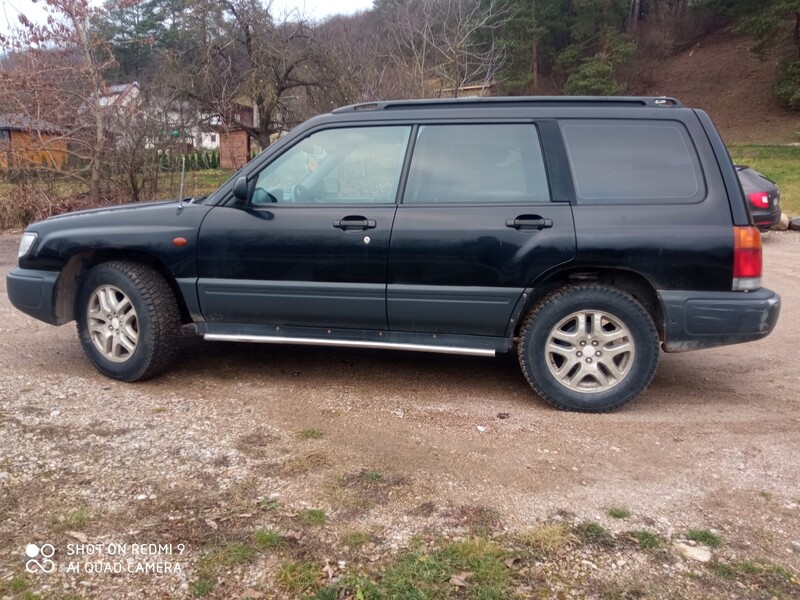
(160, 302)
(556, 297)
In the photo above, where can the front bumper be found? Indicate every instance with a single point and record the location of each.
(34, 293)
(695, 320)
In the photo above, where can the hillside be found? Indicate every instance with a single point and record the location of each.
(722, 76)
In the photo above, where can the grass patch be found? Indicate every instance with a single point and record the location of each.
(779, 163)
(593, 533)
(356, 539)
(704, 536)
(312, 516)
(203, 587)
(270, 504)
(268, 539)
(618, 512)
(18, 584)
(646, 539)
(373, 476)
(72, 521)
(426, 573)
(297, 577)
(548, 539)
(310, 433)
(722, 570)
(235, 553)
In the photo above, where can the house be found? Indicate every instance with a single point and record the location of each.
(234, 142)
(27, 143)
(120, 96)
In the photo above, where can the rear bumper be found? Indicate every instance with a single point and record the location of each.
(695, 320)
(33, 292)
(766, 220)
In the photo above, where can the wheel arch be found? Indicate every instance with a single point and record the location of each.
(78, 265)
(632, 282)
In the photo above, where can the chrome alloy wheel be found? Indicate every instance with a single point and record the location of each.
(112, 321)
(590, 351)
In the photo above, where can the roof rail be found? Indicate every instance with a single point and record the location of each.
(509, 101)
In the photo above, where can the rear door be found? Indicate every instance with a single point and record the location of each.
(476, 226)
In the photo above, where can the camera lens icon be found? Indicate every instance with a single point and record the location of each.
(39, 558)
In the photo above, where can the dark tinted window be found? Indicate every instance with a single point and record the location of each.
(477, 164)
(617, 161)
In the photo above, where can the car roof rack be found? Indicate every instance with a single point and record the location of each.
(515, 101)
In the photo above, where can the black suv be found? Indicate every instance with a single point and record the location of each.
(580, 233)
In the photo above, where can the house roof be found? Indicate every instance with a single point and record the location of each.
(18, 122)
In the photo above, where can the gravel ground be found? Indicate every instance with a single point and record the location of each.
(400, 445)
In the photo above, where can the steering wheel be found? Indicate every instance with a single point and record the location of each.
(300, 193)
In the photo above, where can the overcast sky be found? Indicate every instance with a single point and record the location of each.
(315, 9)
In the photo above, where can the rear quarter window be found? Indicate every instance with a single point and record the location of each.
(617, 161)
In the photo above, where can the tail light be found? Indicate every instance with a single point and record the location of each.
(747, 261)
(759, 199)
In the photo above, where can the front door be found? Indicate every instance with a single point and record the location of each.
(476, 226)
(311, 246)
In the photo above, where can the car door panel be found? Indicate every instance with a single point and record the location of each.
(475, 229)
(290, 265)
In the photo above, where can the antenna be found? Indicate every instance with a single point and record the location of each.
(183, 172)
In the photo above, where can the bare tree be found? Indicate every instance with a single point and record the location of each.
(447, 44)
(244, 55)
(54, 74)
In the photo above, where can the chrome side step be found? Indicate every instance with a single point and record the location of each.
(307, 341)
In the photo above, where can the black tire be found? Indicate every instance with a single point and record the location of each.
(156, 318)
(557, 307)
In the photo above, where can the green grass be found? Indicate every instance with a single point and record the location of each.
(646, 539)
(618, 512)
(71, 521)
(235, 553)
(203, 587)
(373, 476)
(310, 433)
(425, 573)
(267, 539)
(312, 516)
(298, 577)
(18, 584)
(779, 163)
(704, 536)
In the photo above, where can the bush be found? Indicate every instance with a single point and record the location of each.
(787, 88)
(595, 77)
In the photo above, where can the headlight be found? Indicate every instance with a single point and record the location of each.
(25, 243)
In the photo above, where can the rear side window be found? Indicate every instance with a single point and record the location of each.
(477, 164)
(629, 162)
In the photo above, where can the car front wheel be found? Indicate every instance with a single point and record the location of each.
(590, 348)
(128, 320)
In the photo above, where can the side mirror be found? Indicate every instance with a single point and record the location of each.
(241, 189)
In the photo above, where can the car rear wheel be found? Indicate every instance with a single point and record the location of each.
(590, 348)
(128, 320)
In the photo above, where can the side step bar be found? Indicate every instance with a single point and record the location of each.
(308, 341)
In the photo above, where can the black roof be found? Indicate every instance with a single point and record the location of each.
(512, 101)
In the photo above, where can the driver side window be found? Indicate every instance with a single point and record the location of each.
(357, 165)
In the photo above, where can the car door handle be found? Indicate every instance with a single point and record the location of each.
(529, 222)
(355, 223)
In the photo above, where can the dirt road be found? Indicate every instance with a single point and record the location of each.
(383, 442)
